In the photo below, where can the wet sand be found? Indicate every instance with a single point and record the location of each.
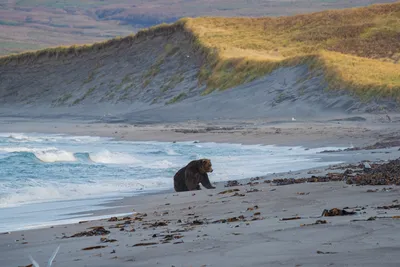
(188, 229)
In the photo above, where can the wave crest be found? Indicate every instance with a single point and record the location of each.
(45, 191)
(55, 156)
(108, 157)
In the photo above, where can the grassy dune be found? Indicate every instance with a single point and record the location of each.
(358, 49)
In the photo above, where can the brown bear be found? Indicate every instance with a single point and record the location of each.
(189, 177)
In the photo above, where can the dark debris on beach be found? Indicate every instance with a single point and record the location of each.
(374, 174)
(389, 142)
(94, 232)
(378, 174)
(330, 177)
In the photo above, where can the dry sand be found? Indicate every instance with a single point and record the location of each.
(197, 241)
(192, 239)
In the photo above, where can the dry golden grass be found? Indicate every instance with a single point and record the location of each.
(358, 48)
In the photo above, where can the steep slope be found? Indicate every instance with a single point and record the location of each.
(154, 66)
(299, 66)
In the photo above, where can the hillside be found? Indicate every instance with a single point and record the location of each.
(31, 25)
(343, 61)
(358, 49)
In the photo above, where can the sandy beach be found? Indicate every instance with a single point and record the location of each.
(257, 223)
(340, 130)
(299, 116)
(241, 228)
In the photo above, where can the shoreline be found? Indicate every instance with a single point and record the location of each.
(121, 204)
(180, 228)
(334, 131)
(83, 128)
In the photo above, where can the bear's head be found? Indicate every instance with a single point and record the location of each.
(205, 165)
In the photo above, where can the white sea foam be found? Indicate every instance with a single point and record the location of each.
(55, 156)
(39, 138)
(45, 154)
(171, 152)
(26, 149)
(44, 191)
(109, 157)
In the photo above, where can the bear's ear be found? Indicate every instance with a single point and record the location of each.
(206, 161)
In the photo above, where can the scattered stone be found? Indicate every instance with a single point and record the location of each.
(168, 238)
(393, 206)
(157, 224)
(99, 230)
(321, 252)
(302, 193)
(119, 226)
(228, 191)
(372, 190)
(94, 247)
(336, 212)
(252, 208)
(232, 183)
(316, 222)
(252, 190)
(291, 218)
(313, 179)
(197, 222)
(232, 219)
(144, 244)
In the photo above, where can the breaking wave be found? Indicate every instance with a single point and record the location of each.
(43, 191)
(108, 157)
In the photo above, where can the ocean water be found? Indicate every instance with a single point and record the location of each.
(45, 178)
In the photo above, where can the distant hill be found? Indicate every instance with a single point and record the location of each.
(304, 65)
(34, 24)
